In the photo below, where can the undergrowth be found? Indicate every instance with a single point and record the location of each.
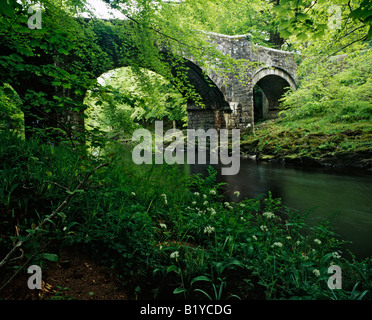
(167, 235)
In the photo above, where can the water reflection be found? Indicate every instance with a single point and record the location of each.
(326, 191)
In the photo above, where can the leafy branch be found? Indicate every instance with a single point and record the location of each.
(50, 217)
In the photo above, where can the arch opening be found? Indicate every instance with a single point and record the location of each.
(136, 98)
(211, 110)
(269, 86)
(174, 105)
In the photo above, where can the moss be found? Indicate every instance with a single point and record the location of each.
(303, 142)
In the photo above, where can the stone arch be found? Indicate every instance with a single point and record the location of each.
(272, 83)
(215, 107)
(212, 113)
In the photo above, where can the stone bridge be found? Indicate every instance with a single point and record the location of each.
(238, 101)
(229, 101)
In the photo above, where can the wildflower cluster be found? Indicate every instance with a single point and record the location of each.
(208, 229)
(268, 215)
(277, 244)
(164, 196)
(227, 204)
(175, 255)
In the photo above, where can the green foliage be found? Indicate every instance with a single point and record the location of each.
(11, 117)
(135, 97)
(231, 17)
(172, 229)
(338, 90)
(323, 26)
(152, 223)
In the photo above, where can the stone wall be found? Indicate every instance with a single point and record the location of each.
(271, 69)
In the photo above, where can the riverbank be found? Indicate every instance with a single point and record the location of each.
(311, 142)
(172, 237)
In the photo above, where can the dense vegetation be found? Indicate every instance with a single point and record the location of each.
(327, 121)
(168, 235)
(172, 235)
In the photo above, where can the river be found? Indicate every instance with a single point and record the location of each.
(326, 191)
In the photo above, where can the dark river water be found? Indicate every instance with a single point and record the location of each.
(326, 191)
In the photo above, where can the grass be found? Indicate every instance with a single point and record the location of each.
(167, 235)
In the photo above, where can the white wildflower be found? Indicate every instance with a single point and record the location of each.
(204, 196)
(196, 193)
(205, 203)
(194, 202)
(254, 237)
(242, 218)
(335, 255)
(208, 229)
(237, 193)
(268, 215)
(174, 255)
(242, 205)
(277, 244)
(227, 204)
(263, 228)
(288, 238)
(164, 196)
(316, 272)
(212, 192)
(133, 194)
(317, 241)
(212, 211)
(163, 225)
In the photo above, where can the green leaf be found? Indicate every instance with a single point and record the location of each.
(202, 291)
(44, 46)
(302, 36)
(63, 50)
(179, 290)
(50, 256)
(9, 92)
(6, 9)
(200, 278)
(173, 268)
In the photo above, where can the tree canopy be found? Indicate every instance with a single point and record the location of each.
(66, 54)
